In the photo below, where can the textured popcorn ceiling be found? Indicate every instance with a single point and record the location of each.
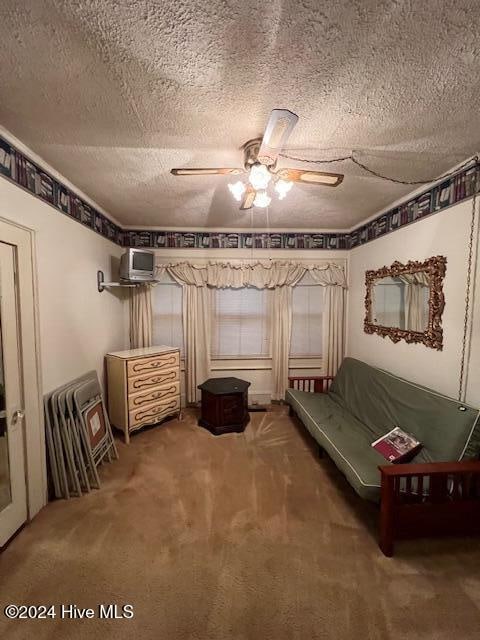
(114, 93)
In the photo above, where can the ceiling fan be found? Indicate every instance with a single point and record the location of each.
(260, 159)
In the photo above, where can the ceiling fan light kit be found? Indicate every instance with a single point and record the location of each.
(259, 176)
(282, 187)
(262, 199)
(260, 158)
(237, 189)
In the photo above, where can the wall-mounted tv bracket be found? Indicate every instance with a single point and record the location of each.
(102, 285)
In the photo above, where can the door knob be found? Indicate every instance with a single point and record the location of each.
(17, 416)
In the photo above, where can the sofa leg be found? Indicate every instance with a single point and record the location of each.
(321, 452)
(386, 546)
(291, 412)
(387, 509)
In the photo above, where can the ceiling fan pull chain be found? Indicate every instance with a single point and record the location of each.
(466, 340)
(251, 229)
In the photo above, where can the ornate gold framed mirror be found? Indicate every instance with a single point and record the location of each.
(406, 301)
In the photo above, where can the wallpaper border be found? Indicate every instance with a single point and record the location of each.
(27, 174)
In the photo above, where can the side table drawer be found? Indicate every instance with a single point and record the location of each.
(165, 392)
(154, 364)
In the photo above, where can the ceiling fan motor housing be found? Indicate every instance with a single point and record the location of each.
(250, 152)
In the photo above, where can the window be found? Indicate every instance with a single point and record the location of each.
(307, 312)
(240, 323)
(241, 320)
(167, 313)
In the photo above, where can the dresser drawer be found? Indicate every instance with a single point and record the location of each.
(149, 380)
(153, 413)
(162, 362)
(157, 394)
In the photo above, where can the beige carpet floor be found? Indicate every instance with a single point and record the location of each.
(245, 536)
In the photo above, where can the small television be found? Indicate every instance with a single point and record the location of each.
(137, 265)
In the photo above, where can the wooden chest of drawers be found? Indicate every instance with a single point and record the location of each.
(143, 387)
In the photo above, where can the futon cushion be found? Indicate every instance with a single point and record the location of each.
(448, 430)
(343, 437)
(346, 440)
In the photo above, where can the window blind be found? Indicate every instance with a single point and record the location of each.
(240, 323)
(241, 320)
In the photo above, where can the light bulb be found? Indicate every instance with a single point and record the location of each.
(259, 176)
(237, 189)
(282, 187)
(262, 199)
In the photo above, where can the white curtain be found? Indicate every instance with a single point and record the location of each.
(140, 316)
(332, 277)
(333, 329)
(281, 337)
(197, 279)
(197, 305)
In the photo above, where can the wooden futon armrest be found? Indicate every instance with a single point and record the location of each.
(313, 384)
(429, 499)
(431, 468)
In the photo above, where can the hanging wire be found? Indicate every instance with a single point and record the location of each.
(363, 166)
(462, 391)
(286, 155)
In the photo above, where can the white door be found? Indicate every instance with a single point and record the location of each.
(13, 498)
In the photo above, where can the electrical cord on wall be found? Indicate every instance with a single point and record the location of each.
(467, 320)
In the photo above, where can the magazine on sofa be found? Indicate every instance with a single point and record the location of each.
(397, 446)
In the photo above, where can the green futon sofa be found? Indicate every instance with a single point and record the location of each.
(362, 404)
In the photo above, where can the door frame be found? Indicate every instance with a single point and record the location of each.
(35, 456)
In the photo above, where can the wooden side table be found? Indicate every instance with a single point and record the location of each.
(224, 405)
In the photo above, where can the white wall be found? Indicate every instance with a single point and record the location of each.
(78, 325)
(446, 234)
(258, 372)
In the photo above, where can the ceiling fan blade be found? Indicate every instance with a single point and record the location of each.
(279, 127)
(311, 177)
(248, 198)
(205, 172)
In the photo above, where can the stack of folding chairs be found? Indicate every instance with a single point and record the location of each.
(78, 436)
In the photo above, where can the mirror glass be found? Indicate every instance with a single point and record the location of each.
(401, 302)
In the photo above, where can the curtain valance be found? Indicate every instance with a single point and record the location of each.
(262, 275)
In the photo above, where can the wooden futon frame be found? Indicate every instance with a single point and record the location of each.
(417, 500)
